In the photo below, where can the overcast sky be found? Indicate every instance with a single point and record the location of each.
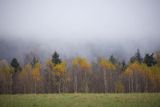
(85, 27)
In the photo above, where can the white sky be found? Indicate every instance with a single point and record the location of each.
(84, 25)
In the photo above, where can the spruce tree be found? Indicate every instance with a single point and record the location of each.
(55, 58)
(15, 64)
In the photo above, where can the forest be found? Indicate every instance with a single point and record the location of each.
(81, 75)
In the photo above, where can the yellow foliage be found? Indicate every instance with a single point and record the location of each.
(5, 67)
(25, 71)
(157, 56)
(5, 70)
(104, 63)
(36, 71)
(60, 69)
(154, 74)
(136, 67)
(82, 63)
(50, 65)
(128, 72)
(151, 73)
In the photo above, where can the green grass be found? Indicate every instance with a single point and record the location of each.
(81, 100)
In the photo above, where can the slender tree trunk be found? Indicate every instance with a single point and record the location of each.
(59, 90)
(132, 86)
(86, 83)
(110, 80)
(105, 81)
(11, 85)
(35, 87)
(129, 84)
(59, 86)
(146, 85)
(136, 82)
(49, 83)
(75, 82)
(24, 89)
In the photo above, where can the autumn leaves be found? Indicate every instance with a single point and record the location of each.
(107, 68)
(141, 78)
(82, 66)
(80, 75)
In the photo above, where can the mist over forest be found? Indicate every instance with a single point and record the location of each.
(84, 28)
(11, 47)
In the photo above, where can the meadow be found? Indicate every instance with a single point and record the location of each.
(81, 100)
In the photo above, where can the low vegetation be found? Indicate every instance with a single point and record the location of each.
(81, 100)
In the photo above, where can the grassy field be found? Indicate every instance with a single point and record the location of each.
(81, 100)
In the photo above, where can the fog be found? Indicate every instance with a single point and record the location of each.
(89, 28)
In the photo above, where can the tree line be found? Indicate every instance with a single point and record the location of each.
(81, 75)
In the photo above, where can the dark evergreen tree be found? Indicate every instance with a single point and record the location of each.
(15, 64)
(137, 57)
(34, 61)
(123, 64)
(55, 58)
(113, 59)
(149, 60)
